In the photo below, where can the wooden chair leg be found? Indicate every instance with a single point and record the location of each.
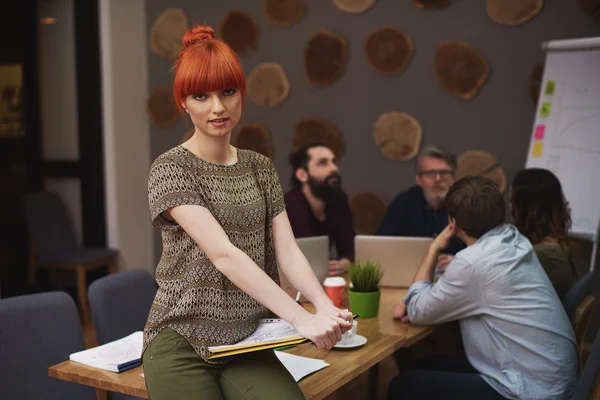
(82, 293)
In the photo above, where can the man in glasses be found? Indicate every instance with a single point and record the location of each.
(419, 211)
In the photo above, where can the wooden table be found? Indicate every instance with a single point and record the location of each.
(384, 336)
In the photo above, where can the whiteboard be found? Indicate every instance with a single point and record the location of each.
(565, 137)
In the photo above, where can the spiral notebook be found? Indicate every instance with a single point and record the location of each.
(270, 334)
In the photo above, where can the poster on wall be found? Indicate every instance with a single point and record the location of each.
(11, 101)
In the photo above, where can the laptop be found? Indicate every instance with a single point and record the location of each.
(399, 256)
(316, 251)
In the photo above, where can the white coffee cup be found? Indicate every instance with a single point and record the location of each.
(348, 337)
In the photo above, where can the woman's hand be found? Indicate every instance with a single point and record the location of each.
(332, 311)
(323, 330)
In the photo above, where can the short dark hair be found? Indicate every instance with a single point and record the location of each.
(300, 159)
(476, 204)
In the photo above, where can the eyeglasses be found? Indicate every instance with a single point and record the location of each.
(432, 173)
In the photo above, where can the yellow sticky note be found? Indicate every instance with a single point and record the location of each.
(537, 149)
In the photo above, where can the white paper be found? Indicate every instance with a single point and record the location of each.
(299, 366)
(268, 330)
(110, 355)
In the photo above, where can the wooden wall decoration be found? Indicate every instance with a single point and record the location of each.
(513, 12)
(241, 32)
(460, 69)
(354, 6)
(431, 3)
(481, 163)
(320, 130)
(398, 135)
(389, 50)
(161, 107)
(368, 210)
(535, 76)
(255, 137)
(592, 7)
(167, 33)
(325, 57)
(268, 85)
(284, 12)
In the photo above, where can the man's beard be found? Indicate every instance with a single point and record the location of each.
(327, 189)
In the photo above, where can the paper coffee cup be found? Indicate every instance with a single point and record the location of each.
(334, 288)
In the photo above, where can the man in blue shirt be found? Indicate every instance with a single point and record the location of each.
(419, 211)
(518, 341)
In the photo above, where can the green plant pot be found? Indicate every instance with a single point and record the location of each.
(365, 305)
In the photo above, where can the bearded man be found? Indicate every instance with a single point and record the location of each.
(317, 205)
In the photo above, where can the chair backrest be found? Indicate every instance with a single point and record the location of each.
(120, 303)
(38, 331)
(49, 225)
(582, 288)
(587, 381)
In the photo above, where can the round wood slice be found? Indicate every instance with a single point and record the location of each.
(513, 12)
(431, 3)
(536, 74)
(285, 12)
(161, 107)
(592, 7)
(167, 33)
(354, 6)
(481, 163)
(310, 131)
(460, 69)
(368, 210)
(255, 137)
(398, 135)
(325, 57)
(268, 86)
(240, 32)
(388, 50)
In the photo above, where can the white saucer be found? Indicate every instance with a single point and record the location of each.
(357, 341)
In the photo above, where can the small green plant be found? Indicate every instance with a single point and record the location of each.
(365, 276)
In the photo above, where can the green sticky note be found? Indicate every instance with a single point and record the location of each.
(550, 86)
(545, 109)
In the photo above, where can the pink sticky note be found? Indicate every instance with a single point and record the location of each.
(539, 132)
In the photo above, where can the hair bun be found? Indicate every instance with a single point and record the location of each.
(198, 33)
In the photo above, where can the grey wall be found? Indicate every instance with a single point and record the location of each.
(499, 119)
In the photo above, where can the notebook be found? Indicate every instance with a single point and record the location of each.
(270, 334)
(117, 356)
(316, 251)
(400, 257)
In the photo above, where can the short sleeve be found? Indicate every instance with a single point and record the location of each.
(170, 185)
(272, 188)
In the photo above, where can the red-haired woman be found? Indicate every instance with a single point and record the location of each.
(224, 230)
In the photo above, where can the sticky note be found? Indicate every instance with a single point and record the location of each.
(550, 86)
(539, 132)
(536, 151)
(545, 109)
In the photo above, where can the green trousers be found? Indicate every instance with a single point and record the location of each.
(173, 370)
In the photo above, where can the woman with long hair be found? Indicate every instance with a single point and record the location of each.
(224, 231)
(540, 212)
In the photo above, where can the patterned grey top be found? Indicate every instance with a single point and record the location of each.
(194, 298)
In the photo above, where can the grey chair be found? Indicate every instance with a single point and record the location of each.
(36, 332)
(588, 379)
(54, 246)
(582, 288)
(120, 304)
